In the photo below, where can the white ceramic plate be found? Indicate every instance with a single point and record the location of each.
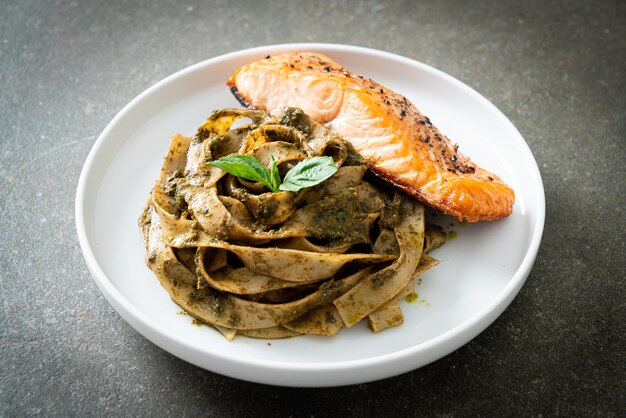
(480, 273)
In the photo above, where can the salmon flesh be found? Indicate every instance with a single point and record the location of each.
(399, 143)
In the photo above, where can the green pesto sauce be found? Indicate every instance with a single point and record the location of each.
(411, 297)
(452, 234)
(296, 118)
(338, 217)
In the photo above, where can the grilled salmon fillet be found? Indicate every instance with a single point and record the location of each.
(400, 144)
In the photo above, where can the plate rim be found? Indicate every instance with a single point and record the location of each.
(311, 374)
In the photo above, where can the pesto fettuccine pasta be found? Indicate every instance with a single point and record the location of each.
(266, 259)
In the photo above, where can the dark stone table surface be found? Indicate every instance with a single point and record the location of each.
(556, 69)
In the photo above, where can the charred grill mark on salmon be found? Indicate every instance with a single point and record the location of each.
(239, 97)
(401, 145)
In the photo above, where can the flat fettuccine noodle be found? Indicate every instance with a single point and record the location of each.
(260, 264)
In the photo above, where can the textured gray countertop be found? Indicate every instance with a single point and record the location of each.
(556, 69)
